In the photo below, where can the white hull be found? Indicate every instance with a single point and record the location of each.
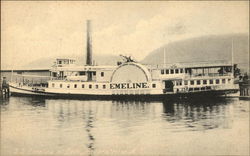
(29, 91)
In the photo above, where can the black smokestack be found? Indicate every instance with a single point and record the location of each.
(89, 44)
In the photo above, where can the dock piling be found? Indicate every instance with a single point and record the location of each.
(4, 89)
(245, 89)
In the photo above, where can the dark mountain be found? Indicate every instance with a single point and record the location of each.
(206, 48)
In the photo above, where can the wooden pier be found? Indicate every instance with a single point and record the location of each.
(245, 89)
(4, 89)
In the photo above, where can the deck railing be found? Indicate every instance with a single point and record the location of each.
(210, 75)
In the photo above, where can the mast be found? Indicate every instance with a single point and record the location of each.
(12, 71)
(164, 57)
(11, 77)
(89, 44)
(232, 55)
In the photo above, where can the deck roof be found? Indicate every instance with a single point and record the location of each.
(82, 68)
(191, 65)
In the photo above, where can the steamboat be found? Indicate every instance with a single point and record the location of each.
(132, 79)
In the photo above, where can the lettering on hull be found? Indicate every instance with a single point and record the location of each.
(129, 85)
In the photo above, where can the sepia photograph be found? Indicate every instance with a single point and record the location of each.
(124, 78)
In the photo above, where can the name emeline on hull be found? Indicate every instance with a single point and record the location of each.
(129, 85)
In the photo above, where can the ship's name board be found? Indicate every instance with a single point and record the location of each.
(129, 85)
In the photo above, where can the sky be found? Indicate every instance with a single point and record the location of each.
(35, 30)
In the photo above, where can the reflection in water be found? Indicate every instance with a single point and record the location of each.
(33, 101)
(198, 115)
(4, 101)
(94, 127)
(129, 108)
(89, 126)
(69, 110)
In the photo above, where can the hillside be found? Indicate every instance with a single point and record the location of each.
(206, 48)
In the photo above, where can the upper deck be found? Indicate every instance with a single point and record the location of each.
(192, 70)
(200, 64)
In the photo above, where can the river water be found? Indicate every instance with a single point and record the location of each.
(35, 126)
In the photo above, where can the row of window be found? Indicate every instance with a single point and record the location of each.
(94, 73)
(172, 71)
(66, 61)
(198, 89)
(204, 82)
(191, 89)
(131, 92)
(90, 86)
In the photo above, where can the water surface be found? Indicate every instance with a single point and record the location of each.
(35, 126)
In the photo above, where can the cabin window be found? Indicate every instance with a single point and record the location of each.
(178, 83)
(228, 80)
(217, 81)
(82, 85)
(61, 85)
(94, 73)
(82, 73)
(208, 88)
(53, 85)
(181, 70)
(53, 74)
(68, 86)
(192, 82)
(102, 74)
(211, 81)
(190, 89)
(198, 82)
(196, 89)
(90, 86)
(172, 71)
(104, 86)
(59, 62)
(154, 85)
(176, 71)
(167, 71)
(75, 85)
(186, 82)
(223, 81)
(162, 71)
(96, 86)
(204, 81)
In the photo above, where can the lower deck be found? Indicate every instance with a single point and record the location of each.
(190, 95)
(141, 93)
